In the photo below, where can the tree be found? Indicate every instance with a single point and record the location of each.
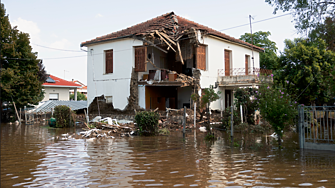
(326, 32)
(304, 68)
(309, 14)
(22, 74)
(242, 97)
(276, 107)
(268, 59)
(80, 97)
(207, 97)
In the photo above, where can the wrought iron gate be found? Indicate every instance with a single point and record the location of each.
(317, 127)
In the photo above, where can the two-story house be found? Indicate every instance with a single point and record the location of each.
(161, 62)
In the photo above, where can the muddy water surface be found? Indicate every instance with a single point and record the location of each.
(33, 156)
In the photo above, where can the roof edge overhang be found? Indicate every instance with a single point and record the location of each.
(61, 86)
(106, 40)
(233, 42)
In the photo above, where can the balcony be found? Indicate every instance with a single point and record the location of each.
(243, 76)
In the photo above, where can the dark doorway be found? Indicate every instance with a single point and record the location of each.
(228, 98)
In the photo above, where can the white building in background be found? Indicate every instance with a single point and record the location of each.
(82, 89)
(58, 89)
(168, 43)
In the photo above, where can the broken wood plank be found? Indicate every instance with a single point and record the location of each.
(181, 58)
(168, 38)
(155, 65)
(152, 44)
(179, 37)
(164, 40)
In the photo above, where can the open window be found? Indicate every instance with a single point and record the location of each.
(109, 61)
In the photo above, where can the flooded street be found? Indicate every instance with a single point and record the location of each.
(32, 156)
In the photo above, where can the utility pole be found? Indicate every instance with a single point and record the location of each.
(252, 47)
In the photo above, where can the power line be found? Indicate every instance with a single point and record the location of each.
(255, 22)
(57, 48)
(130, 49)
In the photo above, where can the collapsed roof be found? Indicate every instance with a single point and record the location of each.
(172, 26)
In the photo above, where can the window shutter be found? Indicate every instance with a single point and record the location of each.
(109, 61)
(246, 64)
(140, 59)
(227, 62)
(201, 57)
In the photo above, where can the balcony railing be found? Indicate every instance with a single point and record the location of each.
(243, 71)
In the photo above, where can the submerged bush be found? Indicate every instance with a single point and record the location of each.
(63, 118)
(147, 122)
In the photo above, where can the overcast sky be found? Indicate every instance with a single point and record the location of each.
(65, 24)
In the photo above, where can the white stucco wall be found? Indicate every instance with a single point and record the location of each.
(215, 61)
(116, 84)
(141, 96)
(63, 93)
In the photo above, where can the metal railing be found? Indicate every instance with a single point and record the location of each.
(243, 71)
(317, 126)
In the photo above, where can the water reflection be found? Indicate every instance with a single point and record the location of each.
(32, 156)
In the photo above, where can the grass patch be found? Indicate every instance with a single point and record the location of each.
(164, 131)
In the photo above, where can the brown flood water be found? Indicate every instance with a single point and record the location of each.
(32, 156)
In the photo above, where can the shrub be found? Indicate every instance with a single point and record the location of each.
(226, 119)
(147, 122)
(242, 97)
(276, 107)
(80, 97)
(164, 131)
(62, 115)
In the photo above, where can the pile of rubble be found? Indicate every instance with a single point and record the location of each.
(108, 128)
(173, 118)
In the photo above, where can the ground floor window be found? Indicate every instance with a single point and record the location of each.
(53, 96)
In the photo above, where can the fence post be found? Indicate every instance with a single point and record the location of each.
(184, 121)
(195, 114)
(70, 117)
(231, 126)
(25, 114)
(221, 106)
(241, 109)
(301, 126)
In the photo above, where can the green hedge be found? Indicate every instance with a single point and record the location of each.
(147, 122)
(62, 115)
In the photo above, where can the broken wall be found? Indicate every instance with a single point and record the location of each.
(115, 85)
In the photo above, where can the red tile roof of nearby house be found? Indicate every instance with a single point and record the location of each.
(60, 82)
(166, 21)
(83, 86)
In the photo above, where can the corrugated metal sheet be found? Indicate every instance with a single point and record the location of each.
(48, 105)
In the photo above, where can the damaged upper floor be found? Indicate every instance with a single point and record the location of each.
(170, 29)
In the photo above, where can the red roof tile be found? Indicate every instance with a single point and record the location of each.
(170, 22)
(60, 82)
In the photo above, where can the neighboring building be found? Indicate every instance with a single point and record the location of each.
(82, 89)
(120, 64)
(58, 89)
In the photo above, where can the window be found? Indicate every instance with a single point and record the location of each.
(109, 61)
(140, 59)
(227, 61)
(247, 60)
(53, 96)
(109, 99)
(201, 57)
